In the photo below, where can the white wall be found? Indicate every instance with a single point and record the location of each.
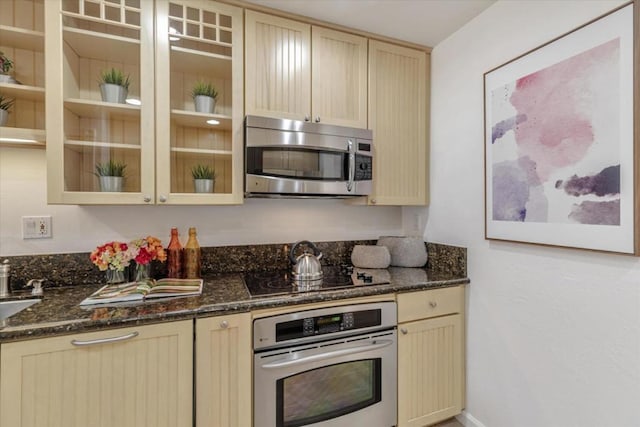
(82, 228)
(553, 336)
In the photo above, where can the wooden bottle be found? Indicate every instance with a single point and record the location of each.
(191, 260)
(174, 256)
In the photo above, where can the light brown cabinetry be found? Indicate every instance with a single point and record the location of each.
(430, 356)
(22, 41)
(302, 72)
(398, 116)
(223, 371)
(161, 139)
(132, 377)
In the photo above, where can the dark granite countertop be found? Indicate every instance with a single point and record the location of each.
(59, 312)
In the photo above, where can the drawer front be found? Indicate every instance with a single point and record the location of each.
(431, 303)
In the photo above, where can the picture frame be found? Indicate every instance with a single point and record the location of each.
(562, 155)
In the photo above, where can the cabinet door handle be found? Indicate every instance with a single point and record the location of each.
(224, 324)
(146, 199)
(162, 198)
(317, 119)
(433, 304)
(404, 331)
(307, 118)
(79, 343)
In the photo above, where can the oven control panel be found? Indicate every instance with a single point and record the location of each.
(328, 324)
(288, 329)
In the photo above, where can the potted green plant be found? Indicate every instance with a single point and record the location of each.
(114, 86)
(5, 106)
(204, 97)
(6, 65)
(111, 175)
(204, 178)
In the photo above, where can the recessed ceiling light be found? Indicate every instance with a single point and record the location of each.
(213, 122)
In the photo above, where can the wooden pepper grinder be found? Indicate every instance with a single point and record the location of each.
(191, 264)
(174, 256)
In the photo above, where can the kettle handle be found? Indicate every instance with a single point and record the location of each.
(292, 256)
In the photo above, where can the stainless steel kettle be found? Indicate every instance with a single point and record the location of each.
(306, 267)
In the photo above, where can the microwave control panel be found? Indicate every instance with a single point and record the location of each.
(364, 168)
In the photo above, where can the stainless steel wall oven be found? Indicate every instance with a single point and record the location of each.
(327, 367)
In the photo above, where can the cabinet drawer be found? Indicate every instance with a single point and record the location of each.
(431, 303)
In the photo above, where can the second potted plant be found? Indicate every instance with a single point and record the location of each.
(5, 67)
(204, 97)
(204, 178)
(111, 175)
(114, 86)
(5, 106)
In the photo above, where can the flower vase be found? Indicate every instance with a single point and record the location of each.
(115, 277)
(143, 272)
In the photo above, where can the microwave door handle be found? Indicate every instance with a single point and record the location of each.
(352, 165)
(294, 360)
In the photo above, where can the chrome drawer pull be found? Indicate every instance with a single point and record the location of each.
(433, 304)
(78, 343)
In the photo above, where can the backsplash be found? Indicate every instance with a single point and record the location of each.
(77, 269)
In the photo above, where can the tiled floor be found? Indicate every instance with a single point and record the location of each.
(452, 422)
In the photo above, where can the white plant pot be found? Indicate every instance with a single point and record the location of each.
(4, 116)
(204, 104)
(7, 78)
(113, 93)
(203, 185)
(111, 183)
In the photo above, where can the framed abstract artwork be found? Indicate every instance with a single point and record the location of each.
(561, 150)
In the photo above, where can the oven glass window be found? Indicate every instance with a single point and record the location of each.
(328, 392)
(297, 163)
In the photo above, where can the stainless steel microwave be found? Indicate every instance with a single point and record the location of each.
(290, 158)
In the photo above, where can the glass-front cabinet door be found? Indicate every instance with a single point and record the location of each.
(100, 101)
(199, 110)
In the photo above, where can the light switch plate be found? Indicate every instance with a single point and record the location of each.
(36, 227)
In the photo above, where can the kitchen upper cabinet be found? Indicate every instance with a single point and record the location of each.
(223, 371)
(84, 39)
(302, 72)
(398, 116)
(132, 377)
(164, 47)
(22, 41)
(199, 41)
(430, 356)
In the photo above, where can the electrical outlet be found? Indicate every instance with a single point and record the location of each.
(36, 227)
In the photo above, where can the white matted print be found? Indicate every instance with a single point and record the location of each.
(559, 141)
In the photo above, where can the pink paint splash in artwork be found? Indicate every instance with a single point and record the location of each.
(557, 131)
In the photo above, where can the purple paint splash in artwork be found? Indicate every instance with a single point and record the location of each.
(606, 182)
(499, 129)
(596, 213)
(510, 191)
(558, 130)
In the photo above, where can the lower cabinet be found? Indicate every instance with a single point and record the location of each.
(430, 356)
(223, 371)
(137, 377)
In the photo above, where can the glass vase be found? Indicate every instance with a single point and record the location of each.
(143, 272)
(115, 277)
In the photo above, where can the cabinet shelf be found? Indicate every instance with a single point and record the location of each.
(199, 120)
(196, 62)
(22, 136)
(21, 38)
(79, 17)
(25, 92)
(100, 110)
(89, 146)
(107, 47)
(201, 151)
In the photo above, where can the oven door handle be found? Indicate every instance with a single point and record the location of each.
(293, 360)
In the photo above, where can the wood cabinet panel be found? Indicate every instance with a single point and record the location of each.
(398, 116)
(429, 370)
(137, 382)
(223, 371)
(278, 71)
(339, 78)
